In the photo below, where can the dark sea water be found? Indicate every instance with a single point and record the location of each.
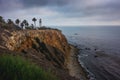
(99, 49)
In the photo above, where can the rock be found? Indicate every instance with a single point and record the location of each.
(87, 49)
(95, 49)
(95, 56)
(46, 48)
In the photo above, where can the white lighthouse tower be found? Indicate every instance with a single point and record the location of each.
(40, 22)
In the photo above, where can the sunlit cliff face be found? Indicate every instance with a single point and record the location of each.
(50, 37)
(51, 44)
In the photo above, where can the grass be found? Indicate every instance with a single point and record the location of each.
(16, 68)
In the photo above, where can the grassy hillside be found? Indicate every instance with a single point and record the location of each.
(16, 68)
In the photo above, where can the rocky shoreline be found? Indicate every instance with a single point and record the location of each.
(74, 67)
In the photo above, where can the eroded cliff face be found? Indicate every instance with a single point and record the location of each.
(51, 43)
(46, 48)
(24, 39)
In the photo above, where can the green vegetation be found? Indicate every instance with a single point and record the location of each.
(16, 68)
(17, 21)
(34, 20)
(19, 25)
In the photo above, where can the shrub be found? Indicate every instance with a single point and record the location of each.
(16, 68)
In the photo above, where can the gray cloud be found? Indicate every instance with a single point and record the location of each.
(31, 3)
(9, 5)
(106, 10)
(96, 10)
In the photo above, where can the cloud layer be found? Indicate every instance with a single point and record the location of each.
(64, 12)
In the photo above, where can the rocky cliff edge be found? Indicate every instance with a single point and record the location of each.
(46, 48)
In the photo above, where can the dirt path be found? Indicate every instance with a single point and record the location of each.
(74, 67)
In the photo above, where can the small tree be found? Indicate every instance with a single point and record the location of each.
(34, 20)
(32, 26)
(22, 25)
(1, 19)
(27, 24)
(17, 21)
(24, 22)
(9, 21)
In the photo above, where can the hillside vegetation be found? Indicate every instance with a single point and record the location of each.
(46, 47)
(16, 68)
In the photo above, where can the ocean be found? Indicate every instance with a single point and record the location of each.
(99, 49)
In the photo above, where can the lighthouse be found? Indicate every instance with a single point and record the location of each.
(40, 22)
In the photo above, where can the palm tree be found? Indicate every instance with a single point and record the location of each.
(34, 20)
(24, 22)
(17, 21)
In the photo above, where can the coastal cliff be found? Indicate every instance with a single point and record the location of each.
(50, 42)
(46, 48)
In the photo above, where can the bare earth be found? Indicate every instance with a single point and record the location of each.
(74, 67)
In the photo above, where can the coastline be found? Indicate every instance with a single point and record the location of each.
(23, 44)
(73, 65)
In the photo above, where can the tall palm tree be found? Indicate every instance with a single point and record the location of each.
(34, 20)
(17, 21)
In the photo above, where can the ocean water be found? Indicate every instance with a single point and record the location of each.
(105, 38)
(99, 50)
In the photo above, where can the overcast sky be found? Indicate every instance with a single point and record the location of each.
(63, 12)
